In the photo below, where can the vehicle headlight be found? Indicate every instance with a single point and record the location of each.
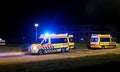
(35, 48)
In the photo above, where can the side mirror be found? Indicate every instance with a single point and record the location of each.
(114, 39)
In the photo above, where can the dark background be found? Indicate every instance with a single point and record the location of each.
(18, 17)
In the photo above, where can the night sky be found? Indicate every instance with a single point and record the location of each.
(18, 17)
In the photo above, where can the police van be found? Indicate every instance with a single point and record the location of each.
(102, 41)
(51, 43)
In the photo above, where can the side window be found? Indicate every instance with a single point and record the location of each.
(105, 39)
(58, 40)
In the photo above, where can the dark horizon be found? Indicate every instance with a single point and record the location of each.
(18, 18)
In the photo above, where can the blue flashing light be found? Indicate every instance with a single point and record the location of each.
(66, 33)
(53, 33)
(47, 34)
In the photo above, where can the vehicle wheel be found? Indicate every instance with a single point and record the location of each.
(41, 52)
(103, 47)
(88, 45)
(63, 50)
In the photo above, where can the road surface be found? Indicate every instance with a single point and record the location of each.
(20, 57)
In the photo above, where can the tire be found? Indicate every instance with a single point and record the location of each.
(63, 50)
(88, 46)
(41, 52)
(103, 47)
(115, 46)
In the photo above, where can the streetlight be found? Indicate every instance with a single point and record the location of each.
(36, 25)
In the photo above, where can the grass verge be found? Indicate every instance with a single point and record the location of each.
(80, 45)
(9, 49)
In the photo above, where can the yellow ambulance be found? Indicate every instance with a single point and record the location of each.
(71, 41)
(102, 41)
(51, 43)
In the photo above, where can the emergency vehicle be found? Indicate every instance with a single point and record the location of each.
(71, 41)
(102, 41)
(51, 43)
(2, 42)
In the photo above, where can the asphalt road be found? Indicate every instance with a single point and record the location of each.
(21, 57)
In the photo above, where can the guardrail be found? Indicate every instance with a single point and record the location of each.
(2, 42)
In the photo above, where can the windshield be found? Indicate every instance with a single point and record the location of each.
(43, 41)
(94, 39)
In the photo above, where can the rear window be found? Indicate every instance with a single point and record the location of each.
(105, 39)
(94, 39)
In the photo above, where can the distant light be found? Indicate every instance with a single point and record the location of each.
(81, 38)
(36, 25)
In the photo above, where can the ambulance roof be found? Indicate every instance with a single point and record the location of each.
(70, 35)
(101, 35)
(53, 36)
